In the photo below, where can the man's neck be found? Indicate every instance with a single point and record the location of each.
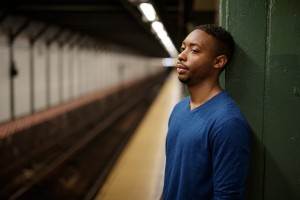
(200, 94)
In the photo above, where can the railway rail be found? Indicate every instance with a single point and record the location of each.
(76, 167)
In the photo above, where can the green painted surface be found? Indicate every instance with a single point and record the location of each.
(245, 78)
(282, 121)
(264, 79)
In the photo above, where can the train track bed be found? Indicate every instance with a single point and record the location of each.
(76, 166)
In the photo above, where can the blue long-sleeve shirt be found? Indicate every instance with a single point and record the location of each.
(207, 151)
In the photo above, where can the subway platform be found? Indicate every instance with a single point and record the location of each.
(139, 172)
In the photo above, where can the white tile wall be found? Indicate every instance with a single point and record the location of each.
(66, 73)
(73, 72)
(39, 64)
(22, 80)
(54, 74)
(76, 73)
(4, 79)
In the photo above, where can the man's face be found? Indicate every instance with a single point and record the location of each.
(197, 58)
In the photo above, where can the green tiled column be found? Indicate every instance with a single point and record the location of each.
(264, 78)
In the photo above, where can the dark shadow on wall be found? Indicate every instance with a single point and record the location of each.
(281, 137)
(254, 89)
(244, 81)
(277, 185)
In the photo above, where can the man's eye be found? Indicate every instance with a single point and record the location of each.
(194, 51)
(181, 49)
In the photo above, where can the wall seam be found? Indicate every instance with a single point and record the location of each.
(268, 5)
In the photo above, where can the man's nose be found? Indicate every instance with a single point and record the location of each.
(182, 56)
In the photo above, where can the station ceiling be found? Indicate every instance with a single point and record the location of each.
(117, 21)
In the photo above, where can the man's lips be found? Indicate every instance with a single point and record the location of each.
(181, 68)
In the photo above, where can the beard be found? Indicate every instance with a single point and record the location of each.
(184, 80)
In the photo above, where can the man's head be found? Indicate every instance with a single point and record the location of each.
(224, 41)
(204, 54)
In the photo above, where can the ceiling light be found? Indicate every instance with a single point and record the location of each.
(159, 29)
(161, 33)
(168, 62)
(148, 11)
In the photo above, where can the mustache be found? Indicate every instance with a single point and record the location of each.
(181, 65)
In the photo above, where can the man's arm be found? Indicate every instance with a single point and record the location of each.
(230, 154)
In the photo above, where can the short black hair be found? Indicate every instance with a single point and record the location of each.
(224, 40)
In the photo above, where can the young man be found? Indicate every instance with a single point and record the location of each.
(207, 145)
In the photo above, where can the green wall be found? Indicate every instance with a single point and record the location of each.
(264, 78)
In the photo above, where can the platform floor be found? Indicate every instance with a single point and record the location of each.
(139, 172)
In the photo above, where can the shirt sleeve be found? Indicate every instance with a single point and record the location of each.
(230, 159)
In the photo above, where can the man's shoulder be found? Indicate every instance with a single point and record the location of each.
(185, 101)
(227, 110)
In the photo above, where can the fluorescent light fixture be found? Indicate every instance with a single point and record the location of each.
(150, 14)
(161, 33)
(168, 62)
(157, 26)
(148, 11)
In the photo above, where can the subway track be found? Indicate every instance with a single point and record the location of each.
(76, 166)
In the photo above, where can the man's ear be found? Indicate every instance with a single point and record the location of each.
(220, 62)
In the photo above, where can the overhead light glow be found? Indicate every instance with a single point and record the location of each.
(151, 16)
(168, 62)
(161, 33)
(158, 27)
(148, 11)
